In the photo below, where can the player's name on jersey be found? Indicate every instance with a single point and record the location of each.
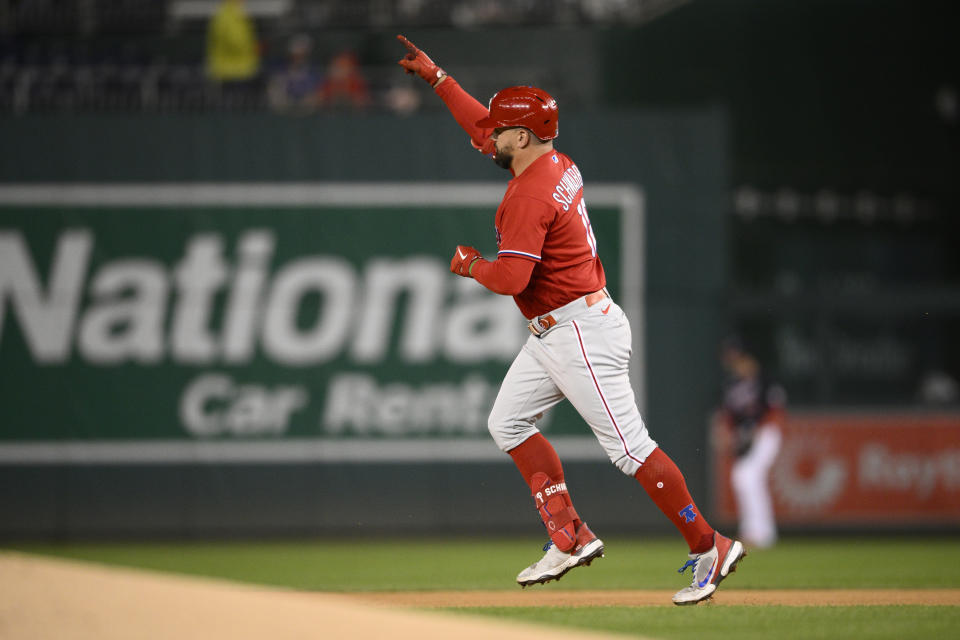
(571, 182)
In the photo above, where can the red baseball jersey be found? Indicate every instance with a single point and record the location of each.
(543, 218)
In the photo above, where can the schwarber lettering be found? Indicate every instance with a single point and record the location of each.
(565, 193)
(557, 488)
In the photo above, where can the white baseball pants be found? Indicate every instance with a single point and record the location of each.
(585, 358)
(750, 477)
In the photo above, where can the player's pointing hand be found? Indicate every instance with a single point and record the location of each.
(416, 61)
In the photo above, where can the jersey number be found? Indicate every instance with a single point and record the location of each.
(585, 219)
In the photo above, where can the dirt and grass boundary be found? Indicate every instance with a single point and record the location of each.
(42, 597)
(546, 597)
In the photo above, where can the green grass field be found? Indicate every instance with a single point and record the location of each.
(441, 564)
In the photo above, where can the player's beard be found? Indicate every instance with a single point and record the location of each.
(503, 157)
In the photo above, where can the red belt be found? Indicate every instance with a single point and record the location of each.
(548, 321)
(595, 297)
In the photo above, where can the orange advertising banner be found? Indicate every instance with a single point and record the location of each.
(864, 468)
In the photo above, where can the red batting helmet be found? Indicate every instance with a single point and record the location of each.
(527, 107)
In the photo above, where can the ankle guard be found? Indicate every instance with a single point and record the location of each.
(556, 510)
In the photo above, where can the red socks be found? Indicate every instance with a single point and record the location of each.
(536, 454)
(665, 485)
(540, 467)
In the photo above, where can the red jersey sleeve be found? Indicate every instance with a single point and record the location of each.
(522, 225)
(466, 110)
(507, 276)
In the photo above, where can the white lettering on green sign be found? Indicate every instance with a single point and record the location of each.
(138, 309)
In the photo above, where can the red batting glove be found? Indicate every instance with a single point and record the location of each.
(463, 259)
(418, 62)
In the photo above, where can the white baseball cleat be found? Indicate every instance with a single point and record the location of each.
(555, 563)
(709, 569)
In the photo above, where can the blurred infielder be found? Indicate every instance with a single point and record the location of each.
(753, 412)
(580, 343)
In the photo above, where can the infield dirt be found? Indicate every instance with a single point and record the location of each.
(43, 598)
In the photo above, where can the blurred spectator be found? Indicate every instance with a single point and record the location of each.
(939, 387)
(344, 84)
(295, 87)
(946, 103)
(233, 53)
(402, 99)
(751, 417)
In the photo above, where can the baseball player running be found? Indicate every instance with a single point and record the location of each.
(580, 343)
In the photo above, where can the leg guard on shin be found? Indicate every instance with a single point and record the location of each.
(559, 517)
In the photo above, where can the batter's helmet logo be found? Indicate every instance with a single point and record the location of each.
(688, 513)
